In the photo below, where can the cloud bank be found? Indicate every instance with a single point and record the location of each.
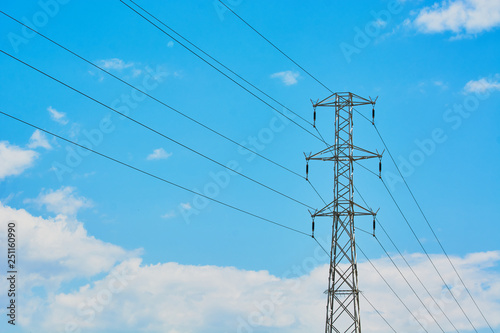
(459, 17)
(120, 293)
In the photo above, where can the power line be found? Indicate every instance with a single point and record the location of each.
(406, 184)
(428, 224)
(221, 64)
(421, 245)
(407, 263)
(204, 156)
(152, 97)
(301, 176)
(432, 229)
(214, 67)
(161, 102)
(426, 219)
(415, 274)
(374, 308)
(408, 283)
(277, 48)
(178, 186)
(155, 131)
(152, 175)
(313, 77)
(228, 69)
(218, 62)
(388, 253)
(393, 291)
(428, 256)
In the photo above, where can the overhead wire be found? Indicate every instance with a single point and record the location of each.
(221, 64)
(406, 280)
(425, 251)
(406, 262)
(214, 67)
(392, 289)
(180, 187)
(221, 72)
(432, 230)
(155, 131)
(217, 61)
(429, 257)
(178, 112)
(364, 231)
(277, 48)
(152, 175)
(378, 312)
(150, 96)
(387, 148)
(408, 283)
(296, 173)
(161, 102)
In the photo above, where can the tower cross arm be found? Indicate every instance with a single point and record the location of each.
(332, 154)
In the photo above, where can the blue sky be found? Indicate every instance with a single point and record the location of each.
(433, 66)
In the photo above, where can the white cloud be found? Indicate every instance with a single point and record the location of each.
(215, 299)
(62, 201)
(115, 63)
(59, 117)
(170, 44)
(38, 139)
(219, 299)
(287, 77)
(14, 160)
(460, 16)
(168, 215)
(441, 84)
(186, 205)
(159, 154)
(56, 250)
(482, 85)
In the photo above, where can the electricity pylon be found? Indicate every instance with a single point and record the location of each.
(343, 293)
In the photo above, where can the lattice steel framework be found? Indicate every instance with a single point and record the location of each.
(343, 293)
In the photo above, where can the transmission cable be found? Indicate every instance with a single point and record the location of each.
(402, 275)
(432, 229)
(393, 291)
(155, 131)
(421, 245)
(277, 48)
(218, 62)
(426, 219)
(163, 103)
(407, 263)
(214, 67)
(428, 256)
(374, 308)
(228, 69)
(178, 186)
(408, 283)
(152, 175)
(152, 97)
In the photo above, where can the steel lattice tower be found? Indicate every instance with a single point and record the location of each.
(343, 293)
